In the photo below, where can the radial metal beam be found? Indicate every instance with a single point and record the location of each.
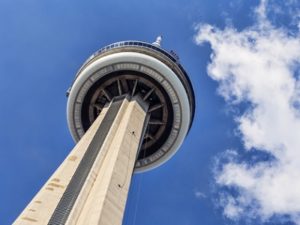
(155, 107)
(107, 95)
(148, 94)
(119, 87)
(134, 87)
(156, 122)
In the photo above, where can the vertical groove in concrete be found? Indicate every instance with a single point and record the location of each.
(65, 205)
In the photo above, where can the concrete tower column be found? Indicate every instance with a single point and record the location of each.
(91, 185)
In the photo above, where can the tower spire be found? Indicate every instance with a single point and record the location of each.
(157, 42)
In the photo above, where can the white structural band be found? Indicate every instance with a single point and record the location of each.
(149, 66)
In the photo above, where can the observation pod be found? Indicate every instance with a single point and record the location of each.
(135, 68)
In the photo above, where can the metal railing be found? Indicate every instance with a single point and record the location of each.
(136, 44)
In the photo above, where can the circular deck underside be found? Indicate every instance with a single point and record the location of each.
(133, 73)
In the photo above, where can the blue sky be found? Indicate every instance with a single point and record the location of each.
(233, 154)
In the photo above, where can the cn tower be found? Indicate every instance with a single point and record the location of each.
(129, 109)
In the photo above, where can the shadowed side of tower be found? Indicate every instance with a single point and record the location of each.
(129, 108)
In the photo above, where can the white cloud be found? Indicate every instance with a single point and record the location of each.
(199, 195)
(259, 66)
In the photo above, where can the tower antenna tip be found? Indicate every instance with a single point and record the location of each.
(158, 41)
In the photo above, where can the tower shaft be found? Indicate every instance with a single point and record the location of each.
(91, 185)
